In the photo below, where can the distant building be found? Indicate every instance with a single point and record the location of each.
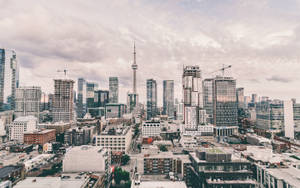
(114, 110)
(192, 98)
(168, 98)
(28, 101)
(20, 126)
(101, 98)
(208, 101)
(79, 136)
(9, 78)
(132, 101)
(81, 97)
(115, 140)
(151, 99)
(151, 129)
(254, 98)
(39, 137)
(225, 103)
(113, 90)
(91, 87)
(240, 97)
(63, 108)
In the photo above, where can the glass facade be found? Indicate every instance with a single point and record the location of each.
(81, 97)
(208, 99)
(113, 90)
(151, 98)
(225, 103)
(168, 98)
(9, 79)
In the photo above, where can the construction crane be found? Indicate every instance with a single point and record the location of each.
(64, 71)
(222, 69)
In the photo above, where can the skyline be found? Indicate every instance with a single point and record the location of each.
(98, 41)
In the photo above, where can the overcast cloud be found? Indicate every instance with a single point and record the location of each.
(94, 40)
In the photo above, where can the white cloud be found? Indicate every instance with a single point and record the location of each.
(95, 40)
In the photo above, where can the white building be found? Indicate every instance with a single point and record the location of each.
(37, 161)
(151, 128)
(288, 119)
(86, 159)
(118, 141)
(20, 126)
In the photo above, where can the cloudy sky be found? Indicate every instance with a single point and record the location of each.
(94, 39)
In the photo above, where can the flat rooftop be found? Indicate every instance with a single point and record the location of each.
(51, 182)
(161, 184)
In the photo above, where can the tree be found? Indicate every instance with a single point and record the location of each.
(124, 160)
(163, 148)
(120, 174)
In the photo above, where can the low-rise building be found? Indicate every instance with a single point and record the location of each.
(118, 139)
(12, 173)
(20, 126)
(88, 159)
(38, 161)
(215, 167)
(113, 110)
(78, 136)
(151, 128)
(40, 137)
(165, 162)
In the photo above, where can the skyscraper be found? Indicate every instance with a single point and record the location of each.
(208, 99)
(9, 78)
(192, 97)
(113, 90)
(240, 97)
(225, 103)
(254, 98)
(151, 98)
(91, 87)
(62, 109)
(101, 98)
(27, 101)
(81, 97)
(168, 98)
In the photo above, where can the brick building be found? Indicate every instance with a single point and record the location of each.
(40, 137)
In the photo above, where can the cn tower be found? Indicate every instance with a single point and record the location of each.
(134, 68)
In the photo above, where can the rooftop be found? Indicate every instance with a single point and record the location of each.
(161, 184)
(50, 182)
(26, 118)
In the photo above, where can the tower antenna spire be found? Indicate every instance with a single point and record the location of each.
(134, 68)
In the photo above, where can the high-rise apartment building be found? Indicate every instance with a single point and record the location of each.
(192, 97)
(9, 78)
(113, 90)
(168, 98)
(91, 87)
(101, 98)
(62, 107)
(254, 98)
(240, 97)
(81, 97)
(225, 103)
(208, 102)
(27, 101)
(151, 98)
